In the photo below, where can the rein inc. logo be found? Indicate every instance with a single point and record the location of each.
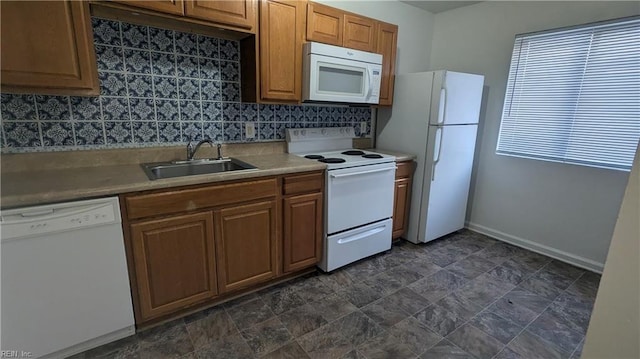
(15, 354)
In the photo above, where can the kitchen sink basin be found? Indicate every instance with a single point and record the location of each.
(160, 170)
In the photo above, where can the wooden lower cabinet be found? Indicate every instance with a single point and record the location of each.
(303, 231)
(193, 246)
(174, 263)
(402, 198)
(246, 244)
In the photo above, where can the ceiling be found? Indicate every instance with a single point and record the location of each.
(439, 6)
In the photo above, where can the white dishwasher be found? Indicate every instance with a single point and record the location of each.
(65, 287)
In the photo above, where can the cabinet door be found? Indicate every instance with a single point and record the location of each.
(359, 33)
(166, 6)
(302, 231)
(281, 32)
(246, 245)
(47, 47)
(400, 206)
(324, 24)
(174, 263)
(386, 44)
(237, 13)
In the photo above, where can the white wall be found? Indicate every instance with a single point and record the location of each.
(614, 328)
(563, 210)
(414, 34)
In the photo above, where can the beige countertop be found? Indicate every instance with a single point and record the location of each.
(400, 157)
(32, 187)
(39, 178)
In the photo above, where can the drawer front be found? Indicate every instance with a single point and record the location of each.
(304, 183)
(350, 246)
(404, 169)
(182, 200)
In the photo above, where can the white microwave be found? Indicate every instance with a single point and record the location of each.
(338, 74)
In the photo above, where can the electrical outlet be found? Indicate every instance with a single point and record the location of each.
(363, 128)
(250, 130)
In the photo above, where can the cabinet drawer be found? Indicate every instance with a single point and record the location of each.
(181, 200)
(404, 169)
(304, 183)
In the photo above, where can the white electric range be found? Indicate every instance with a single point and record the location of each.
(359, 193)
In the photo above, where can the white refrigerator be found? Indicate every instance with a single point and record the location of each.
(435, 117)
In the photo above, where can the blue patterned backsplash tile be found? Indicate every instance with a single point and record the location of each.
(158, 87)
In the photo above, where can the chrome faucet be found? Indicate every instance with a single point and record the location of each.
(191, 151)
(219, 146)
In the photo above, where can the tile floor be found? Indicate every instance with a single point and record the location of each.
(463, 296)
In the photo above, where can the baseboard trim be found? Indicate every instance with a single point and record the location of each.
(538, 248)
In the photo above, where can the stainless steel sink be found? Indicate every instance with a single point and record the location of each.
(160, 170)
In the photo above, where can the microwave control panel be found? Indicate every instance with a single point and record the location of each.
(375, 79)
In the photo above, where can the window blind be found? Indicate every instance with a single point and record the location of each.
(573, 96)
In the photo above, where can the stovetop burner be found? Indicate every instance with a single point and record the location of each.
(332, 160)
(372, 155)
(314, 157)
(353, 153)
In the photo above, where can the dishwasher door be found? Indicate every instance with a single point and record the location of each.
(65, 287)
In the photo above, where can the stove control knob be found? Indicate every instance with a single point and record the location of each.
(303, 133)
(295, 133)
(324, 132)
(342, 130)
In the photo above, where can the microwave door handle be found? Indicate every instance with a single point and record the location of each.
(369, 87)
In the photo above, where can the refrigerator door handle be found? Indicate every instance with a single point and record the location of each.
(436, 156)
(442, 113)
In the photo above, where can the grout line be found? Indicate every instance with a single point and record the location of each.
(578, 346)
(542, 312)
(485, 308)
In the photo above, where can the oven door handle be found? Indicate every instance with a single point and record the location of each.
(361, 235)
(362, 172)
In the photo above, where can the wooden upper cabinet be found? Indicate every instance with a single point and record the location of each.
(359, 33)
(174, 263)
(246, 245)
(237, 13)
(324, 24)
(166, 6)
(386, 44)
(281, 37)
(47, 47)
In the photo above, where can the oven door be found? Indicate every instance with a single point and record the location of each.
(359, 195)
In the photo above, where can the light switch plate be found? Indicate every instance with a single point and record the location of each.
(250, 130)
